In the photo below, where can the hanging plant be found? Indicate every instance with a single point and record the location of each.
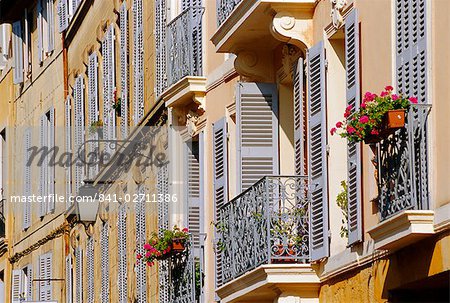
(377, 117)
(117, 105)
(162, 247)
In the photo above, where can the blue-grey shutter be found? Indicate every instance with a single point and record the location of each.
(27, 179)
(40, 30)
(353, 149)
(90, 269)
(138, 60)
(78, 97)
(43, 176)
(93, 113)
(63, 15)
(104, 244)
(17, 42)
(45, 275)
(162, 186)
(299, 119)
(69, 279)
(68, 147)
(79, 275)
(124, 68)
(16, 285)
(141, 279)
(51, 167)
(50, 27)
(257, 135)
(122, 253)
(193, 189)
(317, 158)
(160, 44)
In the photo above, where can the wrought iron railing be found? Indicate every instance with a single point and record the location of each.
(2, 217)
(224, 9)
(403, 166)
(267, 223)
(184, 45)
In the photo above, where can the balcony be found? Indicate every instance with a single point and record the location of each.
(263, 241)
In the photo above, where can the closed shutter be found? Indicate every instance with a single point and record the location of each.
(43, 180)
(104, 244)
(90, 269)
(68, 147)
(50, 46)
(141, 279)
(63, 15)
(257, 124)
(78, 97)
(45, 275)
(124, 69)
(51, 162)
(299, 119)
(160, 39)
(78, 275)
(138, 60)
(27, 179)
(162, 186)
(29, 282)
(93, 114)
(17, 42)
(353, 149)
(317, 160)
(109, 86)
(69, 279)
(193, 189)
(17, 285)
(122, 253)
(40, 30)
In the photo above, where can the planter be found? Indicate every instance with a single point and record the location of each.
(282, 252)
(392, 121)
(178, 245)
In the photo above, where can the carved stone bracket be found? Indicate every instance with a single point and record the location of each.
(336, 12)
(254, 66)
(192, 119)
(293, 29)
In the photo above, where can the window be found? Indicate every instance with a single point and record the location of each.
(26, 211)
(45, 277)
(4, 45)
(47, 167)
(45, 27)
(22, 283)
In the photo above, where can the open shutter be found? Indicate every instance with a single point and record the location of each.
(27, 179)
(40, 30)
(69, 279)
(353, 149)
(317, 135)
(299, 119)
(43, 180)
(50, 27)
(79, 128)
(68, 147)
(45, 275)
(90, 269)
(124, 69)
(160, 45)
(93, 111)
(141, 279)
(109, 86)
(63, 15)
(193, 189)
(257, 124)
(29, 283)
(138, 60)
(162, 186)
(17, 41)
(104, 243)
(122, 253)
(51, 167)
(16, 285)
(79, 275)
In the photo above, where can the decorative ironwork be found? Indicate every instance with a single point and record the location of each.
(267, 223)
(403, 166)
(184, 45)
(225, 8)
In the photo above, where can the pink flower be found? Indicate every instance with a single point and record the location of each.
(384, 94)
(147, 246)
(394, 97)
(369, 96)
(349, 108)
(339, 124)
(413, 100)
(350, 129)
(363, 105)
(148, 254)
(364, 119)
(374, 132)
(185, 230)
(149, 264)
(346, 114)
(333, 131)
(389, 88)
(139, 256)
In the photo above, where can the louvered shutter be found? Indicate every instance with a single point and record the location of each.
(50, 161)
(124, 68)
(122, 253)
(50, 27)
(138, 60)
(78, 275)
(160, 39)
(40, 30)
(317, 158)
(29, 283)
(162, 186)
(63, 15)
(79, 129)
(90, 269)
(93, 113)
(45, 275)
(353, 149)
(193, 189)
(27, 179)
(16, 285)
(257, 124)
(17, 41)
(109, 86)
(43, 180)
(69, 279)
(68, 148)
(141, 279)
(299, 119)
(104, 243)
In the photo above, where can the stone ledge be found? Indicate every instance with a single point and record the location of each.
(403, 229)
(188, 89)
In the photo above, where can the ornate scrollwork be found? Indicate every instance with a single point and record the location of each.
(336, 12)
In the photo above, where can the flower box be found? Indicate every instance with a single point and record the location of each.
(392, 121)
(178, 244)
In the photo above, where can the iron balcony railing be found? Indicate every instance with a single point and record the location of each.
(2, 217)
(225, 8)
(184, 45)
(403, 166)
(267, 223)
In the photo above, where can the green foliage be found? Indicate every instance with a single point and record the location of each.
(117, 104)
(96, 125)
(342, 202)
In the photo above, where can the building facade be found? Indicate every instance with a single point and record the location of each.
(223, 112)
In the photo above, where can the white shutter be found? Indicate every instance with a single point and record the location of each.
(63, 15)
(160, 44)
(40, 30)
(69, 279)
(162, 186)
(109, 85)
(27, 179)
(193, 189)
(50, 46)
(68, 147)
(90, 269)
(79, 275)
(353, 149)
(299, 117)
(17, 42)
(257, 139)
(28, 282)
(104, 244)
(141, 279)
(317, 135)
(124, 68)
(45, 275)
(16, 285)
(93, 112)
(43, 180)
(78, 97)
(122, 253)
(51, 162)
(138, 60)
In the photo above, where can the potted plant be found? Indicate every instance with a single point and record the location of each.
(117, 106)
(96, 127)
(377, 117)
